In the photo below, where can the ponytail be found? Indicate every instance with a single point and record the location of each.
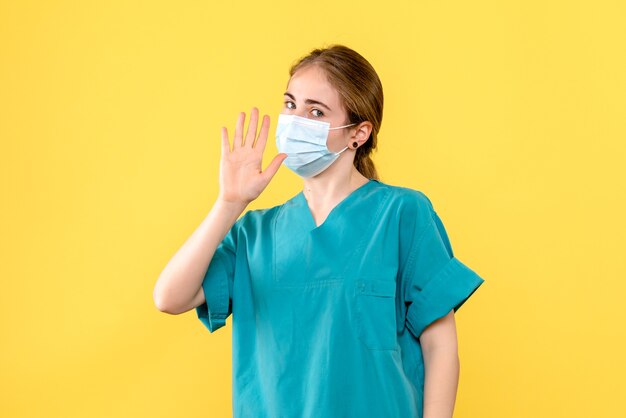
(364, 164)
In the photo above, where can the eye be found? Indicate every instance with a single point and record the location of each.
(319, 113)
(288, 102)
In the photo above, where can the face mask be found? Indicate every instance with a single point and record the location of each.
(304, 142)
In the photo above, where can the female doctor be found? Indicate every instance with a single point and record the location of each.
(343, 297)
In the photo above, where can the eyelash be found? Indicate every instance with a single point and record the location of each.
(321, 114)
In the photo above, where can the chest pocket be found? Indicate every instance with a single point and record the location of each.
(376, 313)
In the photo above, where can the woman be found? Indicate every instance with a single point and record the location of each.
(343, 297)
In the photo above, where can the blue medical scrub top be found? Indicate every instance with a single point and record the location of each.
(326, 319)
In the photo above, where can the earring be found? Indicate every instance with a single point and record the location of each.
(355, 144)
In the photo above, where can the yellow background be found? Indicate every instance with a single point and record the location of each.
(509, 115)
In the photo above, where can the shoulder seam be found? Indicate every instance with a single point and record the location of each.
(410, 264)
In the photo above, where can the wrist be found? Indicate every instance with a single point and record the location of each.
(235, 208)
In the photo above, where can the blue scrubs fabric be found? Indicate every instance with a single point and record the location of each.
(327, 319)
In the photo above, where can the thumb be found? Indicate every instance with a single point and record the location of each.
(273, 167)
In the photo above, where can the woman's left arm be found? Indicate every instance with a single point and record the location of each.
(441, 367)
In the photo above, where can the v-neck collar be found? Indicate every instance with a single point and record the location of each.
(306, 255)
(310, 221)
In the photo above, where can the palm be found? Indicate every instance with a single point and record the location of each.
(241, 176)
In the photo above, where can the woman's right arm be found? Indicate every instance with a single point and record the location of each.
(179, 286)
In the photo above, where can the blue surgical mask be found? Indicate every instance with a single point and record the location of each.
(304, 142)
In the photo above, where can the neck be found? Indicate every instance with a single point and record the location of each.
(333, 184)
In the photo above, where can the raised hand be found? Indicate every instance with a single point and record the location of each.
(241, 176)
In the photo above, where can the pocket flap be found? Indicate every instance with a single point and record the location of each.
(376, 287)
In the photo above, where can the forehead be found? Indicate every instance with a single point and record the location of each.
(310, 83)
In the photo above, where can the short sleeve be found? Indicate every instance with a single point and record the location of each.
(218, 283)
(437, 281)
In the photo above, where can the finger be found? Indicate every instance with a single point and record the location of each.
(273, 167)
(237, 139)
(225, 142)
(265, 127)
(252, 126)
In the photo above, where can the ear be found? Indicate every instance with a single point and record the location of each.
(362, 132)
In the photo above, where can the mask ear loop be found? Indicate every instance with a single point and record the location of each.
(339, 127)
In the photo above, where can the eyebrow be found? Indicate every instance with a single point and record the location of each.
(309, 101)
